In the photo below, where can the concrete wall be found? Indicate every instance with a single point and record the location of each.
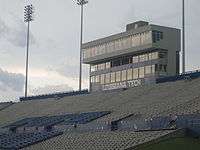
(172, 43)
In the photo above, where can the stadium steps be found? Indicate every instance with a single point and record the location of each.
(5, 105)
(99, 140)
(14, 141)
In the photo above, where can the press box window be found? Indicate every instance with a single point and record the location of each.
(147, 70)
(97, 79)
(130, 74)
(107, 78)
(116, 63)
(102, 79)
(135, 73)
(141, 72)
(124, 75)
(108, 65)
(143, 57)
(157, 36)
(112, 77)
(118, 76)
(135, 59)
(92, 79)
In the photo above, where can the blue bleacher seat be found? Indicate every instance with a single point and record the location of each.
(21, 140)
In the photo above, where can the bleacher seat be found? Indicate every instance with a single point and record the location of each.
(17, 141)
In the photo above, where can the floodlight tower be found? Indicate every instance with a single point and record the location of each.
(81, 3)
(183, 36)
(28, 17)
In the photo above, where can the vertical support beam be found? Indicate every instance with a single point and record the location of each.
(28, 17)
(183, 36)
(90, 86)
(27, 59)
(81, 42)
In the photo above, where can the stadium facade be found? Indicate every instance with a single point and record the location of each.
(138, 56)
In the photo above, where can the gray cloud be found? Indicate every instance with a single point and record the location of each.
(11, 81)
(51, 89)
(15, 35)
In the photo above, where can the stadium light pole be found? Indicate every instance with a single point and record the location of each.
(28, 17)
(81, 3)
(183, 36)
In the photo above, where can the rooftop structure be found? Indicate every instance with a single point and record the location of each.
(137, 56)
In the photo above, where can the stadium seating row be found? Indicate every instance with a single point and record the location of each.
(149, 101)
(54, 95)
(17, 141)
(5, 105)
(68, 119)
(99, 140)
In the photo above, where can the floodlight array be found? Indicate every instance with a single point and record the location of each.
(28, 13)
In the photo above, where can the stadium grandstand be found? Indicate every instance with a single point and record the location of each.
(144, 118)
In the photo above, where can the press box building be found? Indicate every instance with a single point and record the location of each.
(135, 57)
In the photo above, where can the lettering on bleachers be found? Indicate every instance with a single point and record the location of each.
(120, 85)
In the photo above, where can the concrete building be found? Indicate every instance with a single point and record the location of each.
(137, 56)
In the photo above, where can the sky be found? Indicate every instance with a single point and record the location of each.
(55, 34)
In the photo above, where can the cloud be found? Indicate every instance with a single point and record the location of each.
(11, 86)
(11, 81)
(51, 89)
(15, 32)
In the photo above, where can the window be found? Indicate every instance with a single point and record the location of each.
(147, 70)
(103, 66)
(92, 52)
(116, 62)
(108, 78)
(92, 68)
(141, 72)
(117, 45)
(125, 60)
(157, 36)
(154, 55)
(86, 53)
(112, 77)
(102, 49)
(99, 67)
(95, 67)
(142, 38)
(102, 79)
(126, 42)
(143, 58)
(118, 76)
(162, 55)
(110, 47)
(156, 68)
(97, 79)
(153, 69)
(165, 68)
(135, 59)
(130, 74)
(92, 79)
(160, 67)
(124, 75)
(135, 73)
(133, 39)
(137, 40)
(148, 37)
(108, 65)
(150, 56)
